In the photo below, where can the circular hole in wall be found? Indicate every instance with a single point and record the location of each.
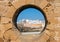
(30, 19)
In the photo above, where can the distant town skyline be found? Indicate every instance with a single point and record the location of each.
(32, 22)
(30, 14)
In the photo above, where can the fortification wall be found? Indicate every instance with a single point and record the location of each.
(8, 33)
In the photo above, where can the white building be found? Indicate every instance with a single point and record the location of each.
(33, 23)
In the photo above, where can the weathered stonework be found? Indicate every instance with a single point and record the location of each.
(8, 32)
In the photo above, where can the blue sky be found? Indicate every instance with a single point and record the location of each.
(31, 14)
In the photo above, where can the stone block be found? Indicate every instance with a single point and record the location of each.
(10, 12)
(2, 30)
(8, 26)
(29, 1)
(1, 40)
(12, 34)
(5, 20)
(43, 3)
(19, 3)
(57, 10)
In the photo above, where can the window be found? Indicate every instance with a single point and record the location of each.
(30, 19)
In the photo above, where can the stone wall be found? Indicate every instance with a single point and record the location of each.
(8, 32)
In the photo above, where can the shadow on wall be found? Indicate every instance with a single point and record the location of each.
(1, 40)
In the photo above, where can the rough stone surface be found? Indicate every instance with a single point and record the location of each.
(8, 32)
